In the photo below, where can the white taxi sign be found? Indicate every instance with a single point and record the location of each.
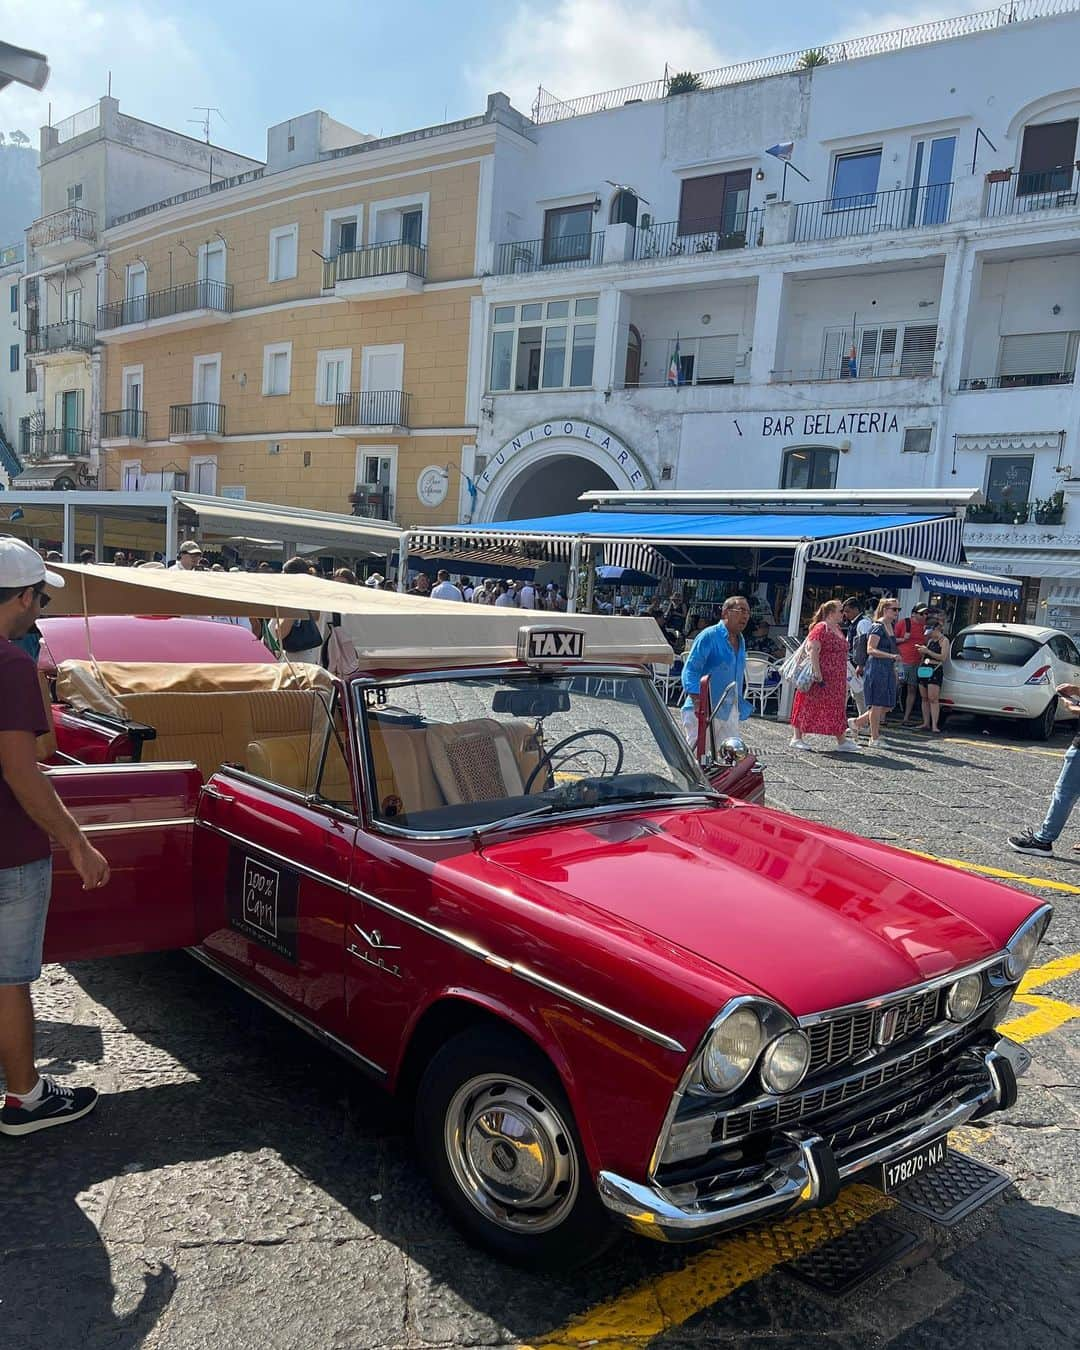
(538, 645)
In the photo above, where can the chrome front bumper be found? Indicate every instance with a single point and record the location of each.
(811, 1173)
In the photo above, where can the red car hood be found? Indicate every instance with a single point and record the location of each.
(813, 917)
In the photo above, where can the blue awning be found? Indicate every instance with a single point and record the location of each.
(943, 578)
(637, 538)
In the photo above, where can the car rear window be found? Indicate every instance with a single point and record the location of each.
(1004, 649)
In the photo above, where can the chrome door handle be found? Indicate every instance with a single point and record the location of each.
(212, 791)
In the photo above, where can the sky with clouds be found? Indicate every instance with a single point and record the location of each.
(388, 68)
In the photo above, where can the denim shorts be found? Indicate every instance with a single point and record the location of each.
(908, 674)
(24, 902)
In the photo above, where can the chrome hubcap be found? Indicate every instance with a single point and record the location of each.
(511, 1154)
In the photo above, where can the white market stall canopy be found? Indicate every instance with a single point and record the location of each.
(222, 518)
(229, 516)
(389, 630)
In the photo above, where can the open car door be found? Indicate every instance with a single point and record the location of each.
(141, 817)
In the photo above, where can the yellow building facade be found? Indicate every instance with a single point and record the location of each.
(301, 334)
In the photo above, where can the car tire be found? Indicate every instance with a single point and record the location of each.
(1041, 728)
(474, 1086)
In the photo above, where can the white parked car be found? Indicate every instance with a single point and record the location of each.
(1011, 670)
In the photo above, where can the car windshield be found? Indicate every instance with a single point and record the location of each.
(471, 751)
(1003, 649)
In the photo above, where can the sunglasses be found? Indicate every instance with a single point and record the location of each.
(43, 598)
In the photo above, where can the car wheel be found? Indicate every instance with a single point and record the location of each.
(1041, 728)
(498, 1139)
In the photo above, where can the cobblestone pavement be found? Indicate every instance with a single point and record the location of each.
(238, 1186)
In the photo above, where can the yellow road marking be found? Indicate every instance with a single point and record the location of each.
(1049, 1014)
(1043, 883)
(630, 1320)
(994, 745)
(1057, 969)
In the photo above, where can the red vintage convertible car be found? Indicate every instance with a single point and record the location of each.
(485, 868)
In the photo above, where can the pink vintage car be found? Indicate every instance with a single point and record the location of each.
(502, 887)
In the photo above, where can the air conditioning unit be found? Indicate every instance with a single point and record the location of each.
(274, 448)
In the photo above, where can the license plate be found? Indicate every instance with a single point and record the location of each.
(986, 666)
(910, 1166)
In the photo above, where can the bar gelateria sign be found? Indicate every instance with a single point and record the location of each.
(593, 442)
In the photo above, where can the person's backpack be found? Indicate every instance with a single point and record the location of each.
(302, 636)
(859, 650)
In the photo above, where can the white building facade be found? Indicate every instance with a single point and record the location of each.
(892, 300)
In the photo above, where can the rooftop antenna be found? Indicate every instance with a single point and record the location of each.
(204, 121)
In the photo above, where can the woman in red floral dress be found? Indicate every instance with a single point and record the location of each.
(822, 709)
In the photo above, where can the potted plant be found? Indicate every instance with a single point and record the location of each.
(685, 82)
(977, 384)
(1050, 510)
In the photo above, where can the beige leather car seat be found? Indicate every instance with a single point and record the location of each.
(474, 761)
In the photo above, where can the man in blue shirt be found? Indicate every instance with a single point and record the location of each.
(720, 653)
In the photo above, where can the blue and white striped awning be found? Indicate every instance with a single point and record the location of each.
(655, 541)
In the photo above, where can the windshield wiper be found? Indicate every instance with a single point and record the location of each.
(548, 809)
(676, 794)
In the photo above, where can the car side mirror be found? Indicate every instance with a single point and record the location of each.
(734, 750)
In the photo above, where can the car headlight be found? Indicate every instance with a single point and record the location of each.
(731, 1050)
(786, 1062)
(963, 998)
(1024, 943)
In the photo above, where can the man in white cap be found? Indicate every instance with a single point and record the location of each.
(30, 812)
(189, 557)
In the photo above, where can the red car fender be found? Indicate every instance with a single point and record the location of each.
(619, 1087)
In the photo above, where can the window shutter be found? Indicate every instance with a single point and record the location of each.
(1049, 146)
(716, 358)
(701, 204)
(887, 351)
(917, 353)
(1033, 354)
(868, 349)
(834, 349)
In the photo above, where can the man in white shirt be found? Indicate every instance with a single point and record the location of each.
(507, 599)
(444, 588)
(527, 595)
(482, 594)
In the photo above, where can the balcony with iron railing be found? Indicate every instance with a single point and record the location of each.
(696, 238)
(56, 443)
(196, 421)
(370, 410)
(873, 212)
(372, 501)
(536, 255)
(1040, 380)
(123, 426)
(1010, 193)
(382, 270)
(195, 304)
(548, 108)
(63, 234)
(59, 339)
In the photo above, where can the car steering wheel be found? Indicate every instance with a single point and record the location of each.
(545, 760)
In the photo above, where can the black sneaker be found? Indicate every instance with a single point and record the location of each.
(1027, 843)
(56, 1106)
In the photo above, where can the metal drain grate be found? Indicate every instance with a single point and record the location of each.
(838, 1267)
(949, 1192)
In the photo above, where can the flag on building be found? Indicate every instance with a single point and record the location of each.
(16, 514)
(674, 375)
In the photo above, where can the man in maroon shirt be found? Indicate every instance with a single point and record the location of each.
(30, 812)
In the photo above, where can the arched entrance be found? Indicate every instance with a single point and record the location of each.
(552, 487)
(544, 469)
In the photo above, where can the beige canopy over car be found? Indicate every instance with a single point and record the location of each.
(389, 630)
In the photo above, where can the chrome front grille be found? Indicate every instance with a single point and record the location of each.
(788, 1110)
(848, 1035)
